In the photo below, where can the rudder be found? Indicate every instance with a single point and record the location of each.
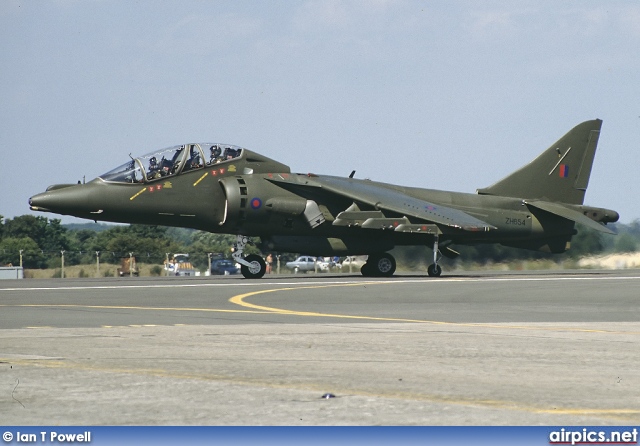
(561, 173)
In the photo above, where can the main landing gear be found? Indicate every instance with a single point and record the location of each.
(251, 266)
(384, 265)
(379, 265)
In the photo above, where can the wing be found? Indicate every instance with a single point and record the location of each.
(386, 199)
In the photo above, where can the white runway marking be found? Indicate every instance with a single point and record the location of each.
(427, 281)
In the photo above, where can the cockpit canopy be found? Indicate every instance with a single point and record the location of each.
(172, 161)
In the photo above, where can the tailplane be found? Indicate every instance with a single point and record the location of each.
(561, 173)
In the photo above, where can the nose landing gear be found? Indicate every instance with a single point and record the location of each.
(252, 266)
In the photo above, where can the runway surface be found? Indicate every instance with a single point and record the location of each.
(543, 348)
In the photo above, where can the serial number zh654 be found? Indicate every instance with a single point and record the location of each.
(515, 221)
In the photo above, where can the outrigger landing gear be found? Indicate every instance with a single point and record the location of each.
(379, 265)
(251, 266)
(434, 270)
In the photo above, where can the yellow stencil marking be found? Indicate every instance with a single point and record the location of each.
(136, 195)
(200, 179)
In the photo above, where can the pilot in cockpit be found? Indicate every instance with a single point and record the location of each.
(154, 169)
(166, 167)
(229, 154)
(215, 154)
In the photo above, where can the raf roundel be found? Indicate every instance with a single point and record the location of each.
(256, 203)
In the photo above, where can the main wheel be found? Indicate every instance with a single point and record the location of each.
(379, 265)
(434, 270)
(256, 270)
(366, 270)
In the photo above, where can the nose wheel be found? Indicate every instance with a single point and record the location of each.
(252, 266)
(256, 268)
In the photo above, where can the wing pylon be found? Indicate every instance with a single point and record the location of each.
(377, 220)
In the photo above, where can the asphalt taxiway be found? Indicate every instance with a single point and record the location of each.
(546, 348)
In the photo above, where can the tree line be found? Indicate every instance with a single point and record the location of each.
(39, 242)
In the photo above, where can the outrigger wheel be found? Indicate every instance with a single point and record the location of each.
(434, 270)
(379, 265)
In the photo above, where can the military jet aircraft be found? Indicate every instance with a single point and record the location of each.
(228, 189)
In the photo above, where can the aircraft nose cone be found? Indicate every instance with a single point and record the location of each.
(61, 199)
(39, 202)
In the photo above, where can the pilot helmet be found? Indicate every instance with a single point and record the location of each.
(215, 151)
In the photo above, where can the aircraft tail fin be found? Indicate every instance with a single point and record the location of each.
(560, 174)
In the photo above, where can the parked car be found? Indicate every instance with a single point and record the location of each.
(224, 267)
(353, 264)
(308, 263)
